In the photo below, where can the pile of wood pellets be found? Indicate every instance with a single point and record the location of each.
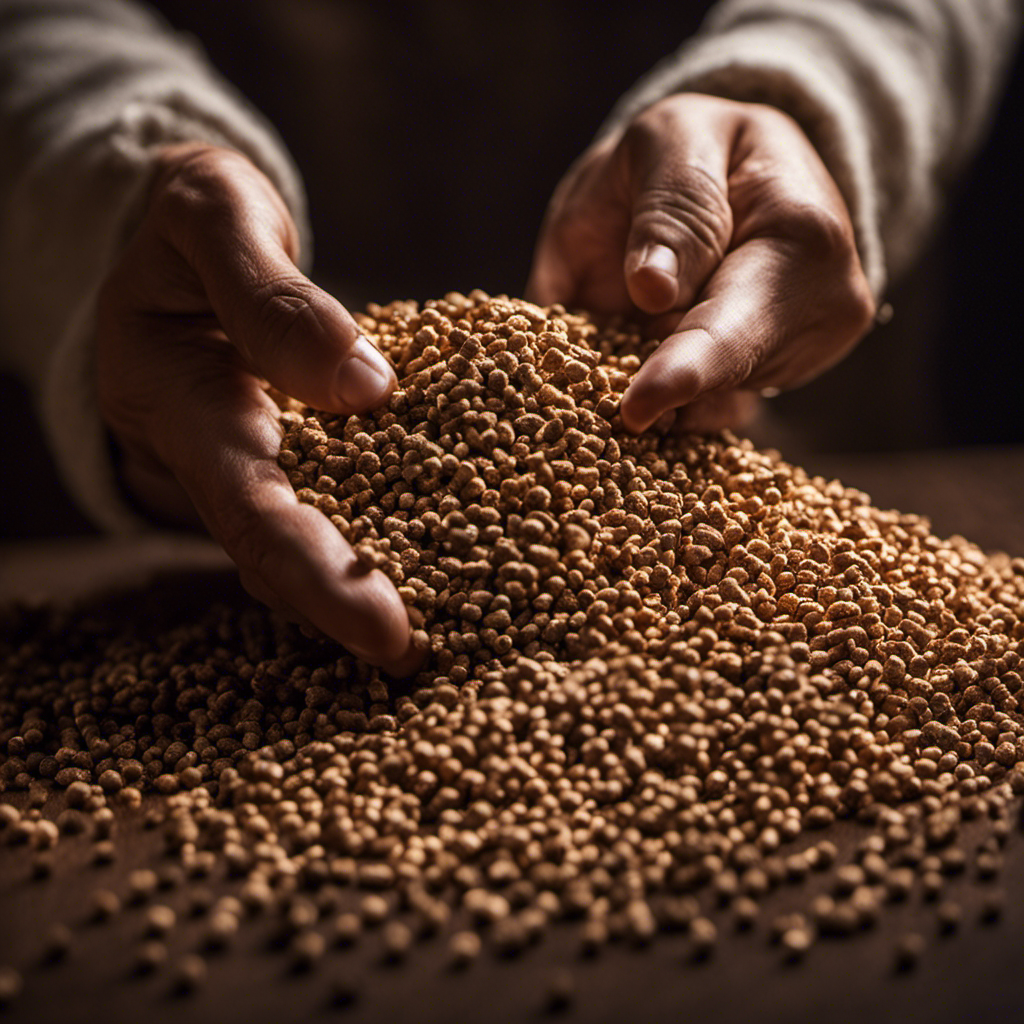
(653, 665)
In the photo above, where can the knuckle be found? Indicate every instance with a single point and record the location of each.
(676, 200)
(283, 316)
(190, 187)
(822, 234)
(861, 306)
(688, 208)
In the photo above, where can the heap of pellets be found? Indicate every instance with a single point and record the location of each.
(497, 489)
(655, 663)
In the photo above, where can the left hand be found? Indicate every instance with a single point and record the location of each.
(717, 224)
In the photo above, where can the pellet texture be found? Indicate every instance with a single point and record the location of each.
(653, 664)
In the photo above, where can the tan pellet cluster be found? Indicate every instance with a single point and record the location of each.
(654, 665)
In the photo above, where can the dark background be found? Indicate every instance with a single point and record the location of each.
(430, 137)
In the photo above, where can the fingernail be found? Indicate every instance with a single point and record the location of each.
(660, 257)
(365, 378)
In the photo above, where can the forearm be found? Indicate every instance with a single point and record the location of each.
(894, 96)
(89, 91)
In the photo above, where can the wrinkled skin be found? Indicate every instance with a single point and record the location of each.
(716, 223)
(204, 302)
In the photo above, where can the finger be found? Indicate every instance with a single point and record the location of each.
(551, 279)
(234, 230)
(281, 546)
(718, 410)
(681, 219)
(745, 315)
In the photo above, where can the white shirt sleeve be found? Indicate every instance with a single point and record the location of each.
(894, 94)
(88, 89)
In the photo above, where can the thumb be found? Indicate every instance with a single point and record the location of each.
(232, 227)
(681, 221)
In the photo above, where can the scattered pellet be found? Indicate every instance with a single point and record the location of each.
(703, 938)
(464, 948)
(795, 942)
(949, 915)
(745, 913)
(909, 950)
(396, 941)
(103, 853)
(158, 921)
(142, 885)
(593, 937)
(220, 930)
(150, 956)
(346, 929)
(189, 974)
(651, 664)
(42, 865)
(105, 905)
(57, 944)
(993, 904)
(560, 991)
(10, 985)
(374, 910)
(307, 949)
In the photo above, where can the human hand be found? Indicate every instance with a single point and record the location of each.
(717, 224)
(206, 300)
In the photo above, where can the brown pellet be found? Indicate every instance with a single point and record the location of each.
(150, 956)
(10, 985)
(57, 944)
(560, 991)
(396, 941)
(346, 929)
(220, 930)
(307, 949)
(189, 974)
(159, 920)
(795, 942)
(464, 948)
(703, 938)
(909, 950)
(105, 905)
(948, 915)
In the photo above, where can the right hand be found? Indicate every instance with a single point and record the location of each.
(204, 301)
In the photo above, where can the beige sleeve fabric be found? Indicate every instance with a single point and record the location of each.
(88, 89)
(894, 94)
